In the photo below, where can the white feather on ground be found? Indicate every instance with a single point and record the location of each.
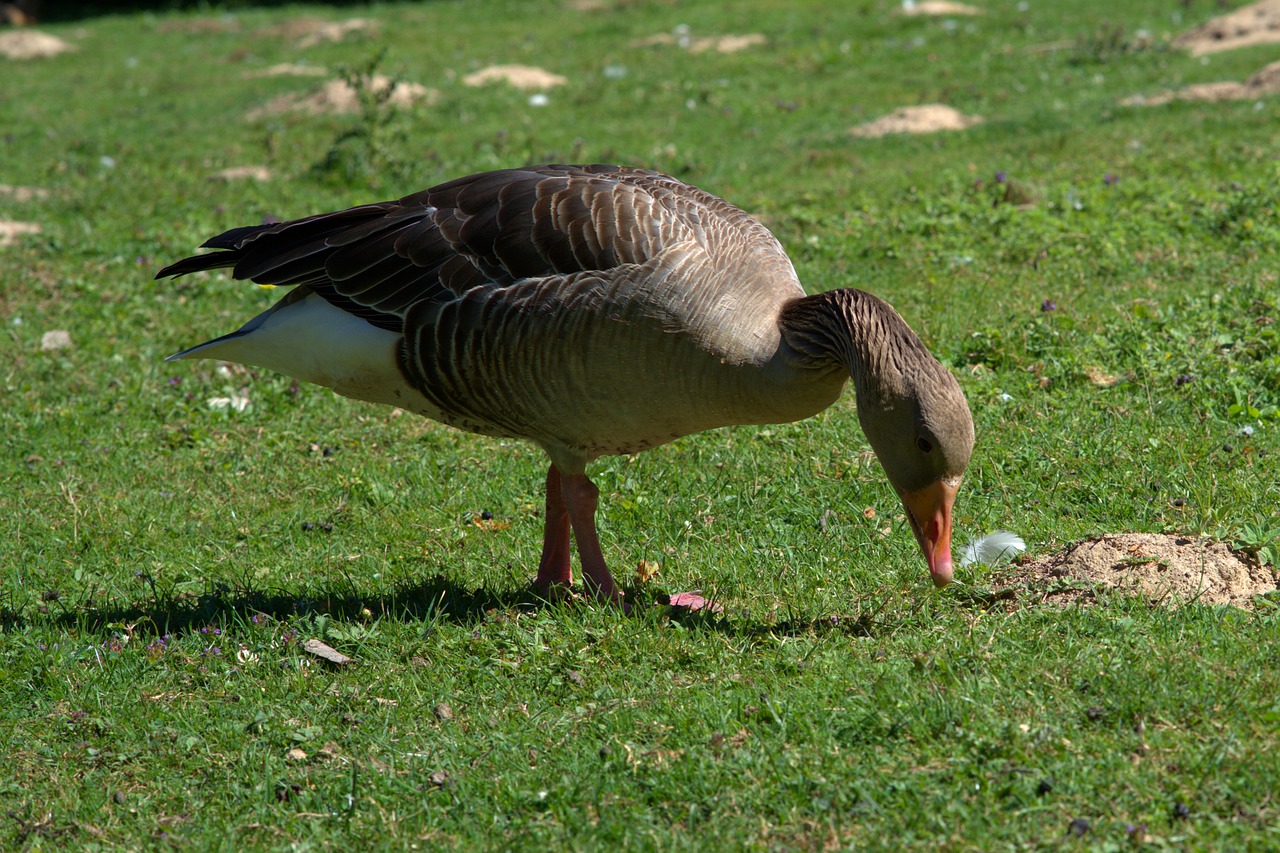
(1001, 544)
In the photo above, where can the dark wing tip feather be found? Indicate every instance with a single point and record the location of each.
(230, 241)
(197, 263)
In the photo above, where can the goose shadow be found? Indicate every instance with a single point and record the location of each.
(433, 600)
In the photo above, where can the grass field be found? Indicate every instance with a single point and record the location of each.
(1103, 279)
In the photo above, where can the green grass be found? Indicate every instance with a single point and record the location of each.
(163, 560)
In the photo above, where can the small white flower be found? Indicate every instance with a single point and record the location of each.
(992, 547)
(1005, 398)
(539, 100)
(1246, 431)
(615, 72)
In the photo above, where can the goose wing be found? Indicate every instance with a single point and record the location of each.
(494, 229)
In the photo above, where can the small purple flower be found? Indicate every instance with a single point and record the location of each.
(1110, 179)
(1001, 177)
(254, 619)
(79, 715)
(1184, 379)
(1048, 305)
(174, 381)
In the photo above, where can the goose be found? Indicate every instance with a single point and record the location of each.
(592, 310)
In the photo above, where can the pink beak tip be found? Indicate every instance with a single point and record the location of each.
(941, 571)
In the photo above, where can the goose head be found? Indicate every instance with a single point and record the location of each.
(911, 407)
(922, 433)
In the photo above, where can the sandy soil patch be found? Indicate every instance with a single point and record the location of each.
(337, 97)
(683, 38)
(242, 173)
(939, 8)
(31, 44)
(55, 340)
(313, 31)
(287, 69)
(21, 194)
(1257, 23)
(1265, 82)
(520, 76)
(11, 231)
(926, 118)
(1167, 570)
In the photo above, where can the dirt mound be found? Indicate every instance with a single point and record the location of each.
(927, 118)
(339, 97)
(1257, 23)
(242, 173)
(287, 69)
(520, 76)
(11, 231)
(1265, 82)
(30, 44)
(23, 193)
(938, 8)
(309, 32)
(1168, 570)
(682, 37)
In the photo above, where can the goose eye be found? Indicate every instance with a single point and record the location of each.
(924, 445)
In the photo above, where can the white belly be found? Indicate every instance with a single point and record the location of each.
(305, 337)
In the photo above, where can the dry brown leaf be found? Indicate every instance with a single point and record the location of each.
(325, 652)
(1100, 378)
(647, 570)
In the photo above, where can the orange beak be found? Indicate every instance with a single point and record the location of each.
(929, 511)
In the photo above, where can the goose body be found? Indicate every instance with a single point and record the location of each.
(593, 310)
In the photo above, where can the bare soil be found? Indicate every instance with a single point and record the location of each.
(720, 44)
(1265, 82)
(22, 194)
(1167, 570)
(242, 173)
(520, 76)
(310, 32)
(926, 118)
(1257, 23)
(940, 8)
(338, 97)
(31, 44)
(10, 231)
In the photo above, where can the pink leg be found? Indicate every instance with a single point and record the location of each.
(553, 568)
(580, 499)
